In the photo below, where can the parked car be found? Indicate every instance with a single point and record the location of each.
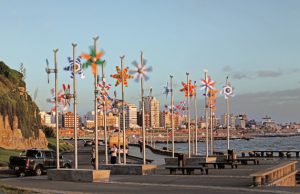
(36, 161)
(88, 143)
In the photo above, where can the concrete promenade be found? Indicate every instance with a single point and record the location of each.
(219, 181)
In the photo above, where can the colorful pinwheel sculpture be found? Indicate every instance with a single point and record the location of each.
(119, 75)
(212, 99)
(93, 59)
(67, 96)
(227, 91)
(188, 88)
(207, 84)
(103, 94)
(78, 67)
(166, 90)
(140, 71)
(60, 100)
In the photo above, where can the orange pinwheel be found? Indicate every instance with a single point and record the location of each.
(119, 75)
(188, 88)
(93, 59)
(212, 99)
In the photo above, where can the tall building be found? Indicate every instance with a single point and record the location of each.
(166, 119)
(68, 120)
(232, 120)
(151, 105)
(130, 115)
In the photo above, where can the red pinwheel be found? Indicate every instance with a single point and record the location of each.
(60, 100)
(119, 75)
(67, 95)
(188, 88)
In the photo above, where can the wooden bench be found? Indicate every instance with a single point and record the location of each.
(189, 167)
(246, 160)
(280, 175)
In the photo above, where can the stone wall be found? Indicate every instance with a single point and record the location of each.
(13, 139)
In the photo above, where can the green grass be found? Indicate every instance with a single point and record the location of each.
(63, 145)
(5, 154)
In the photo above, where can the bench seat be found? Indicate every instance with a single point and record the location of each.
(188, 169)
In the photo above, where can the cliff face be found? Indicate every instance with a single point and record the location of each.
(20, 122)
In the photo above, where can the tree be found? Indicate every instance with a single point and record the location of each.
(23, 71)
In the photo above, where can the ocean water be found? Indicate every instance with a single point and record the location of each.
(259, 143)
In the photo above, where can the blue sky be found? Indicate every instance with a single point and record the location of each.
(255, 42)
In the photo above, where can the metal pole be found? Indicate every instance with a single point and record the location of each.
(104, 118)
(143, 115)
(96, 112)
(119, 146)
(75, 110)
(123, 98)
(206, 113)
(211, 131)
(188, 114)
(227, 104)
(56, 107)
(167, 131)
(196, 122)
(172, 114)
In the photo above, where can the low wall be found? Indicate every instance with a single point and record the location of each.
(78, 175)
(129, 169)
(280, 175)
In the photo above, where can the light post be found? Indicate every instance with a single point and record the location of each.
(96, 110)
(188, 114)
(74, 106)
(172, 114)
(206, 113)
(196, 122)
(123, 113)
(55, 71)
(140, 72)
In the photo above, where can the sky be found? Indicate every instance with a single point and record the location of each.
(254, 42)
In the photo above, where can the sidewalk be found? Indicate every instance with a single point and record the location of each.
(219, 181)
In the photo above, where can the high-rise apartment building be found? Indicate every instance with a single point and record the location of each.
(68, 120)
(151, 105)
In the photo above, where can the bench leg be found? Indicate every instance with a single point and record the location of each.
(172, 171)
(182, 171)
(206, 171)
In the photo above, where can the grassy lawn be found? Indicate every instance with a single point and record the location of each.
(5, 154)
(63, 145)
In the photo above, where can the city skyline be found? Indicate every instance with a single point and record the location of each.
(254, 42)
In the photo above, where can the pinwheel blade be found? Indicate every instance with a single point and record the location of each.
(148, 69)
(144, 62)
(146, 77)
(134, 63)
(137, 78)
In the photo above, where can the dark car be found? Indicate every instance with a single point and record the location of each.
(36, 161)
(88, 143)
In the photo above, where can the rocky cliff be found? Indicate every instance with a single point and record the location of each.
(20, 122)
